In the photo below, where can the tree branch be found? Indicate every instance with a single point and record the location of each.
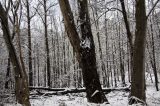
(152, 8)
(51, 6)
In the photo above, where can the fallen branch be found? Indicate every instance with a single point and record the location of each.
(63, 91)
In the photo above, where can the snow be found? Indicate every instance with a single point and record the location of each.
(85, 43)
(115, 98)
(96, 91)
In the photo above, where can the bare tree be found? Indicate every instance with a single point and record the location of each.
(45, 23)
(21, 83)
(29, 17)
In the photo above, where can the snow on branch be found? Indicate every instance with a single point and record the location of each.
(85, 43)
(95, 92)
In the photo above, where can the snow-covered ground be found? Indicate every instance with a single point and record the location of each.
(116, 98)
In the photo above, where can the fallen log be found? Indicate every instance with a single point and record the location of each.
(63, 91)
(46, 88)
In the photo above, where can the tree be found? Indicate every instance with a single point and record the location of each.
(29, 17)
(84, 48)
(21, 83)
(45, 23)
(138, 73)
(129, 34)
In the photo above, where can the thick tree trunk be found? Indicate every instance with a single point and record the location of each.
(138, 73)
(21, 83)
(85, 49)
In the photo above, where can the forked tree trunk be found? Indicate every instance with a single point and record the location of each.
(84, 48)
(21, 83)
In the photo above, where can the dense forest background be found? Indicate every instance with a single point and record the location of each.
(40, 36)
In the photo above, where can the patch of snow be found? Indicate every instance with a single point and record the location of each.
(86, 43)
(95, 92)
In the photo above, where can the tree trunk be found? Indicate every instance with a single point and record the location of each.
(88, 59)
(85, 49)
(8, 74)
(129, 35)
(153, 59)
(29, 45)
(21, 83)
(138, 73)
(47, 44)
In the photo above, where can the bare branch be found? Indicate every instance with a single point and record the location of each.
(51, 6)
(41, 2)
(39, 15)
(108, 9)
(33, 15)
(152, 8)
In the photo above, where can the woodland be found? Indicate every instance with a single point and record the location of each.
(79, 52)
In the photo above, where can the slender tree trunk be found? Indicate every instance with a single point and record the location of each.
(8, 73)
(122, 71)
(29, 45)
(153, 61)
(129, 35)
(102, 65)
(38, 65)
(106, 42)
(46, 43)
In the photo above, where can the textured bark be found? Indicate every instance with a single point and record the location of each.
(138, 73)
(85, 53)
(21, 83)
(70, 26)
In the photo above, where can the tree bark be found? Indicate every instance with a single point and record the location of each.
(21, 83)
(138, 73)
(84, 48)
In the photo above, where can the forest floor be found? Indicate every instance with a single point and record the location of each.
(115, 98)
